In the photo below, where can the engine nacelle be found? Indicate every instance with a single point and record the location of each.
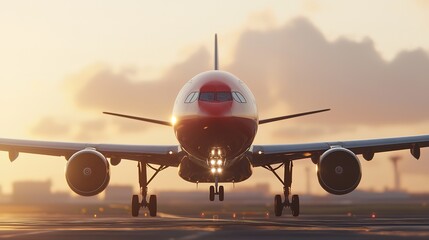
(87, 172)
(339, 171)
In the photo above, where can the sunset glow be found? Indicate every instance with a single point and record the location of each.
(64, 62)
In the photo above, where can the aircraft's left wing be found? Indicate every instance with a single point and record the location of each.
(263, 155)
(161, 155)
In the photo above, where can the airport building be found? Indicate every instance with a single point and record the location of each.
(36, 192)
(118, 194)
(31, 191)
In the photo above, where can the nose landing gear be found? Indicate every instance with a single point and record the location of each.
(216, 190)
(216, 162)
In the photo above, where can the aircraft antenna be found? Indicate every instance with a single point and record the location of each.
(216, 59)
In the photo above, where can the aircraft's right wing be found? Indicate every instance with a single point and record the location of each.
(263, 155)
(167, 155)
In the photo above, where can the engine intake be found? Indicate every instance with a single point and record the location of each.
(339, 171)
(87, 172)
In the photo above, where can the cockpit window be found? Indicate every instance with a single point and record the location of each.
(238, 97)
(223, 96)
(192, 97)
(207, 96)
(215, 96)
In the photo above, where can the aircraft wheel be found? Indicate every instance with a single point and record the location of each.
(278, 205)
(294, 206)
(221, 193)
(152, 205)
(212, 193)
(135, 206)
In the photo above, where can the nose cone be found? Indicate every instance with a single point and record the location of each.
(215, 98)
(215, 109)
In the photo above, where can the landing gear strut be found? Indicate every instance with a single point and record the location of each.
(279, 205)
(152, 203)
(216, 190)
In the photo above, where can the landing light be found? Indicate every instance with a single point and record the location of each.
(173, 120)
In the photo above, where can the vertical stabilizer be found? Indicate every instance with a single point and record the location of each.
(216, 58)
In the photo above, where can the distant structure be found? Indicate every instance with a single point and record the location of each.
(397, 178)
(31, 192)
(3, 198)
(118, 194)
(36, 192)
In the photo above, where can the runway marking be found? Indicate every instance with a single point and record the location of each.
(196, 235)
(14, 235)
(166, 215)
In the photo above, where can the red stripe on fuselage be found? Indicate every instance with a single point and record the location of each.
(215, 86)
(198, 135)
(215, 107)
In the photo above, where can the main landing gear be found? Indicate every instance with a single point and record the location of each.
(152, 203)
(215, 190)
(287, 183)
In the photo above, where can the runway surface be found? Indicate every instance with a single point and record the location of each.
(212, 227)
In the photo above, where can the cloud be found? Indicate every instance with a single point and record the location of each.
(101, 88)
(83, 130)
(293, 65)
(304, 132)
(50, 127)
(422, 3)
(90, 129)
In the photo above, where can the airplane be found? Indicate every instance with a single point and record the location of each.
(215, 121)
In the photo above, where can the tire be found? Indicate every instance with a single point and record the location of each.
(152, 205)
(278, 205)
(221, 193)
(212, 193)
(135, 206)
(294, 206)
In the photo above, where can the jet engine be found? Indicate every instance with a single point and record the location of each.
(339, 171)
(87, 172)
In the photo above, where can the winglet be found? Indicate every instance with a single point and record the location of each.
(216, 58)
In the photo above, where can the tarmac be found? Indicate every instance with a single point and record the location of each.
(209, 226)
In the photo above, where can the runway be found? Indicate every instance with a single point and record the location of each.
(212, 227)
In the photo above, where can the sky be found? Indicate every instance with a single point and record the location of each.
(64, 62)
